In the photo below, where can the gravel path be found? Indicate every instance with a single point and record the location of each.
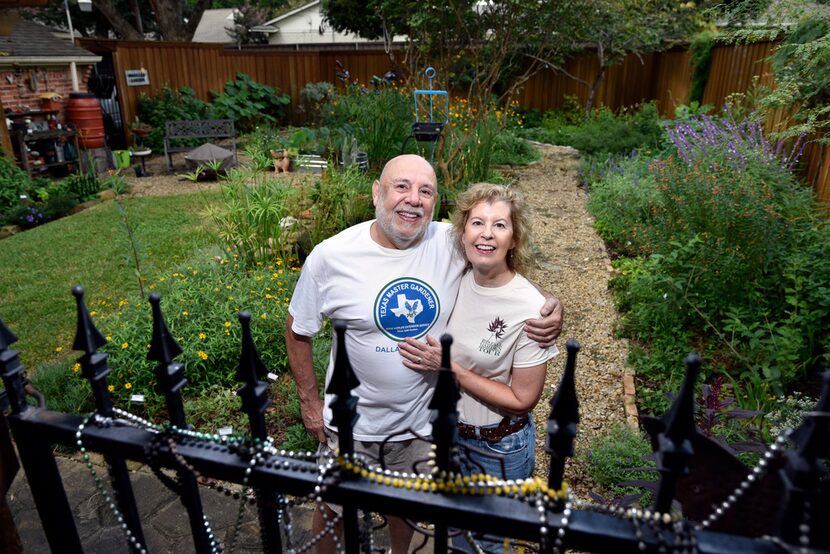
(575, 267)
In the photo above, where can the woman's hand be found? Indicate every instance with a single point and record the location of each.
(421, 356)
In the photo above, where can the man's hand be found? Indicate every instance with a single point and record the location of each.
(312, 412)
(545, 329)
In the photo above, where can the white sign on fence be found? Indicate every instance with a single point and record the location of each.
(137, 77)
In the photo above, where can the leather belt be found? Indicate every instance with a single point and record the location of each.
(492, 434)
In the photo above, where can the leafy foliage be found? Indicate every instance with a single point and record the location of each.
(615, 457)
(602, 132)
(730, 254)
(379, 119)
(13, 182)
(169, 105)
(249, 103)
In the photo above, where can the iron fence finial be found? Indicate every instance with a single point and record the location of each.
(343, 381)
(87, 337)
(674, 444)
(163, 347)
(563, 419)
(254, 393)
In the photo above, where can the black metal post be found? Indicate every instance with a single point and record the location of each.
(95, 369)
(171, 380)
(445, 428)
(803, 471)
(344, 415)
(254, 395)
(674, 444)
(563, 419)
(37, 457)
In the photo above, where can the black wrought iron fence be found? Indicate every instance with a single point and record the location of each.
(541, 513)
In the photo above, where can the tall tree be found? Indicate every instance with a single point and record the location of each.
(174, 20)
(482, 48)
(616, 29)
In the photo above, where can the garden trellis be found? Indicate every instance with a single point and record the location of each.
(542, 512)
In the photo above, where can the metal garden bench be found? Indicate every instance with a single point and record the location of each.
(187, 130)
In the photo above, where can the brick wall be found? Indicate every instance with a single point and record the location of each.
(19, 93)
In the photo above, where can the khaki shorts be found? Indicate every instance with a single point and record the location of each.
(397, 456)
(406, 456)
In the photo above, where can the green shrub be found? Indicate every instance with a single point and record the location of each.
(509, 149)
(612, 457)
(250, 219)
(13, 183)
(314, 97)
(380, 120)
(734, 262)
(169, 105)
(602, 131)
(339, 199)
(82, 185)
(200, 303)
(249, 103)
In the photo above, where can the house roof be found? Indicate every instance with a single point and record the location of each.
(31, 42)
(291, 13)
(213, 27)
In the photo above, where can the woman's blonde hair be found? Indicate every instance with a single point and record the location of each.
(518, 257)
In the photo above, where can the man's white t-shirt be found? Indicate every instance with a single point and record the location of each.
(384, 295)
(487, 326)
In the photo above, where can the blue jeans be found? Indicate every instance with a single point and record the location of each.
(518, 451)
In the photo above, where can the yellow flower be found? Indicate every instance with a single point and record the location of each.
(76, 368)
(227, 324)
(59, 348)
(268, 296)
(125, 345)
(111, 388)
(185, 313)
(109, 338)
(264, 316)
(93, 313)
(128, 386)
(227, 332)
(202, 336)
(202, 354)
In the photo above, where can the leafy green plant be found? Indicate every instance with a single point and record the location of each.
(200, 302)
(313, 99)
(195, 175)
(614, 458)
(602, 131)
(169, 105)
(249, 103)
(339, 199)
(83, 185)
(700, 50)
(380, 120)
(13, 182)
(251, 218)
(509, 149)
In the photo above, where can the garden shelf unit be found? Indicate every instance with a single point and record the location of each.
(42, 135)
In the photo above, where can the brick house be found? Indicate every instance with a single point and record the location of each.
(34, 61)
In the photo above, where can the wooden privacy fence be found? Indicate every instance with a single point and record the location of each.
(663, 76)
(792, 517)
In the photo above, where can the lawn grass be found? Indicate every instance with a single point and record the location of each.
(39, 267)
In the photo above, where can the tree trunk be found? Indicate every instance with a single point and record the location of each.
(122, 27)
(593, 90)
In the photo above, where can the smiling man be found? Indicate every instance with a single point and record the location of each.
(389, 279)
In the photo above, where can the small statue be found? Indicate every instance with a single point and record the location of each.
(281, 164)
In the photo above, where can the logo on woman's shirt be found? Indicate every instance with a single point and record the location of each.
(406, 307)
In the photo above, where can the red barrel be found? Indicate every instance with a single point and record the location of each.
(84, 110)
